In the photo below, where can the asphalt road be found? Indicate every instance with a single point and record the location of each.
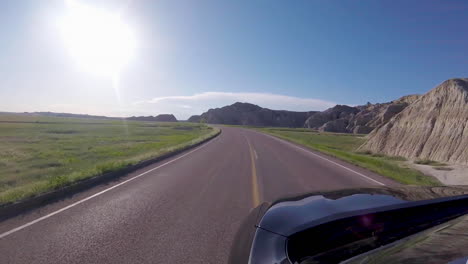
(182, 210)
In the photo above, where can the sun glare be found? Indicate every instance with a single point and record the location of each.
(99, 41)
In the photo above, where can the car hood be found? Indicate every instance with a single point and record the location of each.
(319, 207)
(288, 215)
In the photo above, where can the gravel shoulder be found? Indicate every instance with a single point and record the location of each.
(454, 175)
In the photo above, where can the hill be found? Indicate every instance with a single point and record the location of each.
(252, 115)
(53, 114)
(158, 118)
(194, 119)
(358, 120)
(434, 127)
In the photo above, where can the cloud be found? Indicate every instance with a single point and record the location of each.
(185, 106)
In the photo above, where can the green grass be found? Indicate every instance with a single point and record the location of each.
(39, 154)
(343, 146)
(429, 162)
(442, 168)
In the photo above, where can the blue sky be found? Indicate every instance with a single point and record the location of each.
(194, 55)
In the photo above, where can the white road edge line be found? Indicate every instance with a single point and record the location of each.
(96, 194)
(440, 228)
(318, 156)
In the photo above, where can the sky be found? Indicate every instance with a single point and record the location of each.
(187, 56)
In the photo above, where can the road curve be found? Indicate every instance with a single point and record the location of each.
(182, 210)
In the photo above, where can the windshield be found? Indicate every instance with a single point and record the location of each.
(149, 131)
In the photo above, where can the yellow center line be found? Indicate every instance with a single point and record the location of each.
(255, 191)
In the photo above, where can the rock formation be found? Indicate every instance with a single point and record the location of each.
(252, 115)
(194, 119)
(360, 119)
(334, 119)
(434, 126)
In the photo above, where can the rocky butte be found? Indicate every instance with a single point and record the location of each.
(433, 127)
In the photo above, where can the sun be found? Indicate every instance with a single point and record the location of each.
(99, 41)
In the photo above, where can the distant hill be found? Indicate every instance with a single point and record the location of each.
(69, 115)
(252, 115)
(360, 119)
(194, 119)
(340, 118)
(434, 127)
(334, 119)
(158, 118)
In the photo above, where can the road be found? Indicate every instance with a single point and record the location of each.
(182, 210)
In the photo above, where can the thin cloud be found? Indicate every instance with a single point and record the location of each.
(255, 98)
(185, 106)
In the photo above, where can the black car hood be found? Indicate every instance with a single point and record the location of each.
(317, 208)
(283, 215)
(286, 217)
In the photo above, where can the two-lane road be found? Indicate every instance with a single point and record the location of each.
(182, 210)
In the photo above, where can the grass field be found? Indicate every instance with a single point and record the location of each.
(343, 146)
(430, 162)
(39, 154)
